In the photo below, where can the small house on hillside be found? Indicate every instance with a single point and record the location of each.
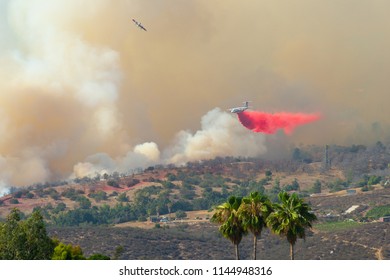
(385, 219)
(158, 219)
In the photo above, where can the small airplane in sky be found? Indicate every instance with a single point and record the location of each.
(139, 24)
(241, 109)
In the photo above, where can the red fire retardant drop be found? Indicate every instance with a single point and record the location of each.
(270, 123)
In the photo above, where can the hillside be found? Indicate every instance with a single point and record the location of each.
(191, 184)
(88, 210)
(163, 190)
(202, 241)
(334, 237)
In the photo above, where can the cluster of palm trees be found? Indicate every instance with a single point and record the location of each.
(289, 218)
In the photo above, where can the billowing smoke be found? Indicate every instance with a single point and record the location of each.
(58, 93)
(82, 89)
(220, 135)
(141, 156)
(270, 123)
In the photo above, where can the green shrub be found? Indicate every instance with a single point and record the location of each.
(379, 211)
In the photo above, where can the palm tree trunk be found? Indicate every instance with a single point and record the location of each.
(254, 246)
(291, 251)
(237, 252)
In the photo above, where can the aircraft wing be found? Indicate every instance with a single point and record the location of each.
(139, 24)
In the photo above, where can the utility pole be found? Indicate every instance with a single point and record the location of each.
(326, 161)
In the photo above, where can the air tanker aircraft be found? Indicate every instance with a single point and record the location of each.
(139, 24)
(237, 110)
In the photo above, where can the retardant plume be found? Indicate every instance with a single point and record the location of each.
(270, 123)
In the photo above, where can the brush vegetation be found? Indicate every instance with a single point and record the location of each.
(171, 191)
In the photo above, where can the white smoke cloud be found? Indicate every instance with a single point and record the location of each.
(4, 189)
(58, 93)
(30, 167)
(141, 156)
(221, 134)
(149, 150)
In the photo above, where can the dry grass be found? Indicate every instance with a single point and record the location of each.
(193, 217)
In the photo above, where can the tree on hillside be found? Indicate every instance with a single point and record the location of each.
(181, 214)
(290, 218)
(67, 252)
(98, 257)
(84, 203)
(38, 244)
(231, 225)
(316, 187)
(253, 212)
(24, 239)
(118, 252)
(12, 238)
(122, 197)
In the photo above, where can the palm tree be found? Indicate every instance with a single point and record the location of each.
(253, 212)
(290, 218)
(231, 226)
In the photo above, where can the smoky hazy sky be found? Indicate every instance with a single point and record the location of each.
(84, 90)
